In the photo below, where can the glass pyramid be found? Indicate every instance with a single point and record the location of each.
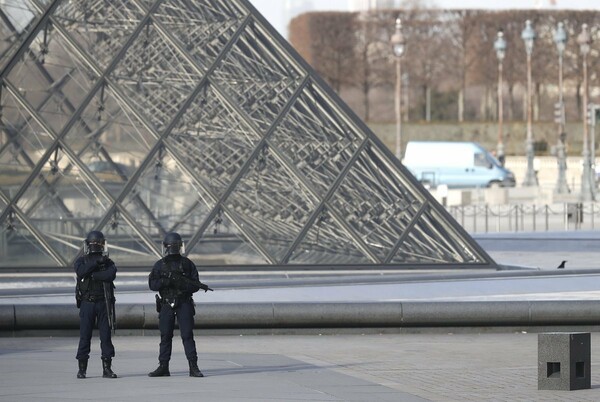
(140, 117)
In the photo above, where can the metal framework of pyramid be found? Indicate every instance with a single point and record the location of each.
(140, 117)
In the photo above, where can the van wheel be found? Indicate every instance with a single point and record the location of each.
(495, 184)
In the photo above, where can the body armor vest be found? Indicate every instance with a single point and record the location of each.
(171, 293)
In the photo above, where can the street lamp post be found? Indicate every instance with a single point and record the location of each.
(398, 47)
(584, 40)
(528, 35)
(500, 47)
(560, 38)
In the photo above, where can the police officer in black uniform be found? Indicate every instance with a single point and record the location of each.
(95, 272)
(175, 277)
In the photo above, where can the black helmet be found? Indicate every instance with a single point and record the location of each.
(94, 242)
(172, 244)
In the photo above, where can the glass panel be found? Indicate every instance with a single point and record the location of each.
(328, 243)
(155, 78)
(8, 43)
(213, 141)
(62, 228)
(52, 78)
(260, 199)
(19, 248)
(23, 144)
(100, 28)
(223, 244)
(18, 14)
(74, 195)
(15, 17)
(257, 77)
(166, 199)
(376, 202)
(110, 140)
(203, 28)
(125, 245)
(316, 139)
(433, 241)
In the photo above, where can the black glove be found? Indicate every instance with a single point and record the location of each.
(103, 262)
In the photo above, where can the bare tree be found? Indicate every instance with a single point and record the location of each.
(573, 58)
(372, 54)
(425, 43)
(447, 52)
(326, 41)
(462, 28)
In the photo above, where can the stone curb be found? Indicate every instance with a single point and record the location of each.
(323, 315)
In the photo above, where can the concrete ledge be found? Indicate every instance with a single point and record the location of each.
(45, 317)
(235, 315)
(7, 317)
(323, 315)
(466, 313)
(327, 315)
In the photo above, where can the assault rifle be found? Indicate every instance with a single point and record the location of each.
(109, 299)
(178, 278)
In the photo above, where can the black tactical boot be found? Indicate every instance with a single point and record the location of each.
(194, 370)
(106, 370)
(82, 368)
(161, 371)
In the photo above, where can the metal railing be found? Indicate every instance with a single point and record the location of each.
(527, 217)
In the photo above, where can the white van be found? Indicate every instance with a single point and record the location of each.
(455, 164)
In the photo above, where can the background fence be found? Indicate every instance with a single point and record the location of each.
(527, 217)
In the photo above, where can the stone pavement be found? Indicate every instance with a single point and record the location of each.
(426, 366)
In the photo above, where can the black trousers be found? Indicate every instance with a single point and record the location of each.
(166, 323)
(89, 314)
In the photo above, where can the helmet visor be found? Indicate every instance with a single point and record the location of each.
(94, 247)
(173, 248)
